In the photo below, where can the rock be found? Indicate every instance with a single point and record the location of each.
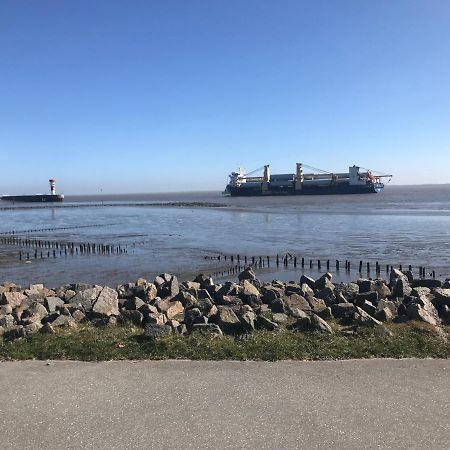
(296, 301)
(174, 287)
(131, 316)
(249, 289)
(85, 298)
(5, 310)
(327, 295)
(280, 318)
(308, 281)
(442, 297)
(361, 316)
(150, 292)
(64, 321)
(384, 315)
(343, 310)
(380, 287)
(12, 298)
(247, 318)
(204, 280)
(365, 285)
(8, 321)
(156, 318)
(318, 324)
(47, 328)
(306, 291)
(227, 320)
(13, 333)
(175, 311)
(427, 283)
(187, 299)
(134, 303)
(107, 303)
(265, 324)
(52, 302)
(247, 274)
(147, 309)
(36, 312)
(401, 288)
(32, 328)
(423, 310)
(313, 323)
(192, 316)
(348, 290)
(324, 282)
(153, 331)
(78, 316)
(368, 307)
(271, 294)
(371, 296)
(159, 281)
(292, 288)
(395, 275)
(316, 304)
(324, 313)
(229, 301)
(420, 291)
(277, 305)
(207, 328)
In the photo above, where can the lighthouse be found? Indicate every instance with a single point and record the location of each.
(52, 186)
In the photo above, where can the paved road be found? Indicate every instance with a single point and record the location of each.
(225, 405)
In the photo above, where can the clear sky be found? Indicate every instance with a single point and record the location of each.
(167, 95)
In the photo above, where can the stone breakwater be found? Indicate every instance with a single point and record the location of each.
(166, 306)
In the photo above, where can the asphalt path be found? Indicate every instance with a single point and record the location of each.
(225, 405)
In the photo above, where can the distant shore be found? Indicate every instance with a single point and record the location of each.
(109, 204)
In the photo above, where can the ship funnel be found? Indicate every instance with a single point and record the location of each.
(52, 186)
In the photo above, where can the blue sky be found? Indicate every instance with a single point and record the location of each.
(144, 96)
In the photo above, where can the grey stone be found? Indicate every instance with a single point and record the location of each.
(249, 289)
(131, 316)
(427, 283)
(343, 310)
(64, 321)
(265, 323)
(296, 301)
(247, 274)
(107, 303)
(401, 287)
(318, 324)
(12, 298)
(308, 281)
(52, 302)
(348, 290)
(442, 296)
(207, 328)
(280, 318)
(227, 320)
(153, 331)
(424, 311)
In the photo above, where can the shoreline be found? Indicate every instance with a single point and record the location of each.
(250, 319)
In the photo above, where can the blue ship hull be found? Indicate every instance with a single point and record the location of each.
(339, 189)
(38, 198)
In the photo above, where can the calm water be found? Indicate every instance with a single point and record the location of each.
(403, 225)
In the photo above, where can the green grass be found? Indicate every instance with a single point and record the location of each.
(93, 344)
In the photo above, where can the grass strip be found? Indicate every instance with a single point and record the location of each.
(88, 343)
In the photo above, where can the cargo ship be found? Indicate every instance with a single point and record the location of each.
(37, 198)
(316, 182)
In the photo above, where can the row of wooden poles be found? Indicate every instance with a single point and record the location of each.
(43, 248)
(79, 249)
(265, 261)
(38, 230)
